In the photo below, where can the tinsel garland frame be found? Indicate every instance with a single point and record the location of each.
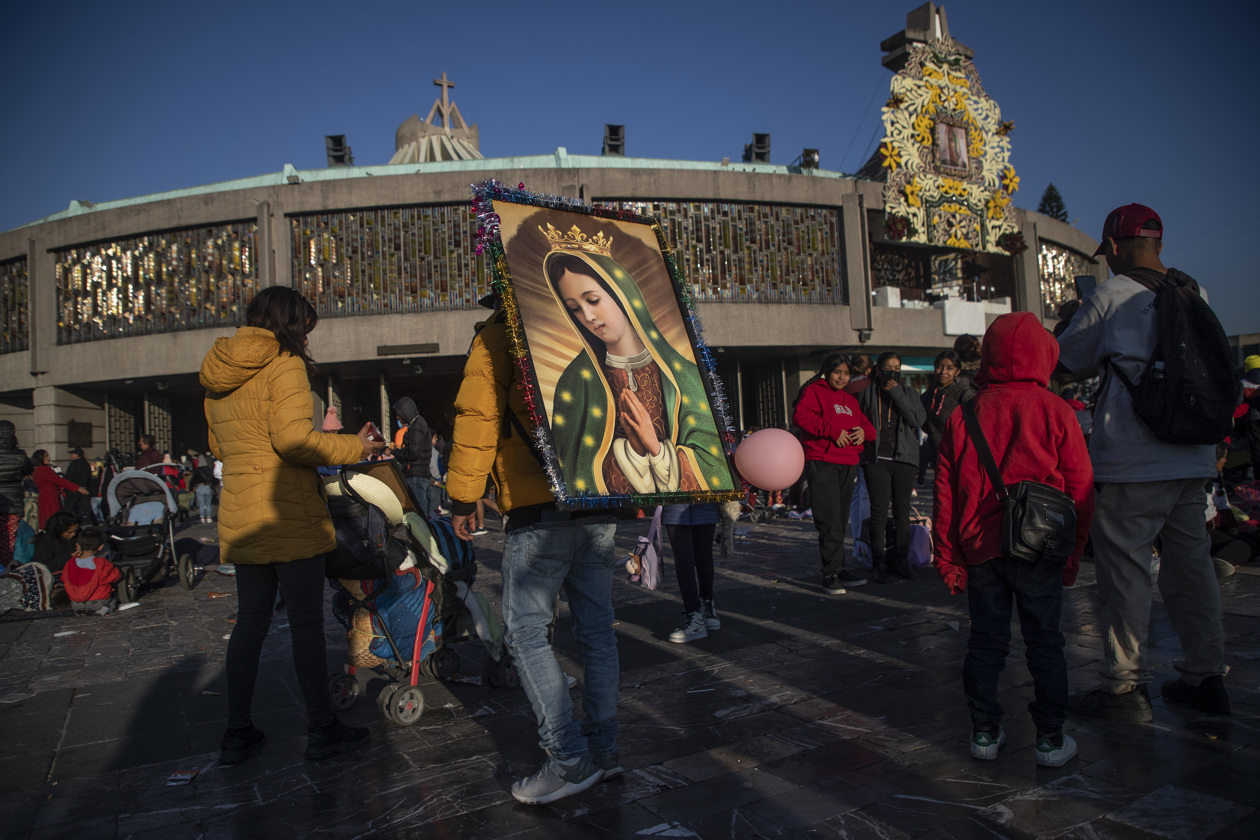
(489, 243)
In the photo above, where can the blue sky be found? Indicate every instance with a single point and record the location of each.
(1113, 101)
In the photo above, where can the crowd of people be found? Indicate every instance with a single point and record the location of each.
(989, 430)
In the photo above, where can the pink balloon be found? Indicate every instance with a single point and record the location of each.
(771, 459)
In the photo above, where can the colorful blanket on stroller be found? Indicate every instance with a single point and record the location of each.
(399, 605)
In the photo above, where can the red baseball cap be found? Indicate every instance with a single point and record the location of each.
(1126, 222)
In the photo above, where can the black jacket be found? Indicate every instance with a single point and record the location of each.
(905, 407)
(417, 442)
(14, 466)
(940, 402)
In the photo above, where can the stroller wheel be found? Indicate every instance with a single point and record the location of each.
(444, 664)
(130, 589)
(187, 572)
(345, 691)
(384, 698)
(501, 674)
(406, 705)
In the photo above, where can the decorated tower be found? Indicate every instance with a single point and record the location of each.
(945, 157)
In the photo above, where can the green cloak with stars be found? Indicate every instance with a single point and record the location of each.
(584, 417)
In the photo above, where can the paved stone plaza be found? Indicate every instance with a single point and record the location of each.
(804, 716)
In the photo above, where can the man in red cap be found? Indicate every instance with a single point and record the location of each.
(1148, 490)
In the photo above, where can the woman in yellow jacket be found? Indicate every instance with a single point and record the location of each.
(273, 520)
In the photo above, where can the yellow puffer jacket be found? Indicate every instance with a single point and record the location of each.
(491, 386)
(259, 407)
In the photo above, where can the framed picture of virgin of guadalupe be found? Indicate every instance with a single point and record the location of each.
(624, 394)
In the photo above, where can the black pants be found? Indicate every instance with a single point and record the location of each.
(301, 582)
(692, 546)
(1038, 596)
(890, 483)
(831, 493)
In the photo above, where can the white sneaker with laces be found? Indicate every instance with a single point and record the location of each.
(556, 780)
(693, 628)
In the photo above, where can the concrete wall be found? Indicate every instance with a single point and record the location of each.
(60, 381)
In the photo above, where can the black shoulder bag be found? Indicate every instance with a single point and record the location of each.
(1038, 521)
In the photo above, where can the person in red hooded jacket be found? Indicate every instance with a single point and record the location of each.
(833, 430)
(1034, 436)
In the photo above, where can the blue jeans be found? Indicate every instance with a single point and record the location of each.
(537, 561)
(1038, 596)
(205, 500)
(420, 489)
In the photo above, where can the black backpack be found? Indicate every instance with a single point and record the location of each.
(1189, 390)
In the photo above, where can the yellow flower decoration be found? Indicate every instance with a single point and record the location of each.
(892, 157)
(586, 374)
(975, 142)
(691, 421)
(996, 205)
(566, 396)
(1010, 181)
(912, 191)
(654, 334)
(558, 420)
(686, 400)
(677, 365)
(637, 303)
(580, 484)
(588, 440)
(923, 130)
(597, 412)
(713, 450)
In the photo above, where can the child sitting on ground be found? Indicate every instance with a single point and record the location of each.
(1034, 436)
(88, 578)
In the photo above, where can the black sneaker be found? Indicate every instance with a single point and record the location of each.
(848, 578)
(832, 585)
(326, 741)
(1132, 706)
(1208, 696)
(240, 744)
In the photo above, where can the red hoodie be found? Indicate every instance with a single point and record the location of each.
(825, 414)
(1034, 436)
(93, 584)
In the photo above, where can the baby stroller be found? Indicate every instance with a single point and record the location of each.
(404, 593)
(141, 533)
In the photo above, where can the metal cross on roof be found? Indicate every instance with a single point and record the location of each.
(446, 86)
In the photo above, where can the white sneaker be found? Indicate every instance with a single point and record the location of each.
(556, 780)
(1051, 755)
(693, 628)
(984, 745)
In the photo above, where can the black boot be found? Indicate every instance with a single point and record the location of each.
(901, 567)
(879, 571)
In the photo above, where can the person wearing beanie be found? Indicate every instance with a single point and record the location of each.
(1251, 363)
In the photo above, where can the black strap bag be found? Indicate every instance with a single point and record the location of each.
(1038, 521)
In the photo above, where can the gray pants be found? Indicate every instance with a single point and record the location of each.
(1129, 519)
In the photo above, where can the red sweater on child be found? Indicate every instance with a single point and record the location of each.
(1034, 436)
(91, 583)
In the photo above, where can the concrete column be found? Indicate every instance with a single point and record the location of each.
(857, 261)
(42, 276)
(282, 247)
(53, 409)
(384, 425)
(265, 254)
(1028, 274)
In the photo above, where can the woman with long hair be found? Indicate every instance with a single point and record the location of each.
(891, 462)
(273, 519)
(946, 393)
(833, 431)
(631, 413)
(51, 485)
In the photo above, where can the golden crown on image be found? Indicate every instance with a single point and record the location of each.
(575, 240)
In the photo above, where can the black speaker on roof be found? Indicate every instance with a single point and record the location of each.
(615, 140)
(758, 151)
(339, 153)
